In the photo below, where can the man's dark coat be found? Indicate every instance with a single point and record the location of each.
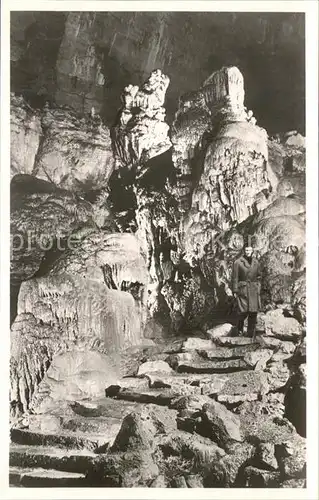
(246, 284)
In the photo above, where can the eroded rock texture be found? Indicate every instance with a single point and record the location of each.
(92, 297)
(25, 136)
(166, 427)
(212, 139)
(40, 214)
(147, 252)
(221, 185)
(75, 153)
(141, 132)
(60, 146)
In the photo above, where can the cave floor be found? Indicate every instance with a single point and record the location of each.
(61, 444)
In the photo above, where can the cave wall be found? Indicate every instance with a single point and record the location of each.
(84, 59)
(211, 171)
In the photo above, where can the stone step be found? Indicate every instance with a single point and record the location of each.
(235, 341)
(161, 397)
(61, 440)
(44, 478)
(100, 429)
(193, 362)
(81, 425)
(228, 388)
(103, 408)
(218, 353)
(212, 366)
(51, 458)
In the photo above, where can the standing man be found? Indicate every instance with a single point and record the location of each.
(246, 289)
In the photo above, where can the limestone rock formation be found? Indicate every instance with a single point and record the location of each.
(92, 297)
(220, 186)
(26, 133)
(153, 243)
(43, 218)
(214, 140)
(57, 145)
(264, 196)
(77, 374)
(75, 153)
(141, 132)
(278, 236)
(224, 93)
(288, 163)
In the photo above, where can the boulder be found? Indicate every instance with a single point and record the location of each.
(46, 424)
(192, 362)
(133, 468)
(234, 341)
(265, 456)
(283, 352)
(78, 374)
(291, 456)
(273, 343)
(270, 404)
(191, 446)
(235, 388)
(193, 404)
(159, 396)
(128, 383)
(182, 453)
(219, 424)
(223, 330)
(258, 478)
(261, 424)
(179, 482)
(196, 343)
(153, 366)
(277, 325)
(138, 431)
(258, 359)
(194, 481)
(227, 471)
(159, 482)
(225, 353)
(179, 383)
(294, 483)
(278, 374)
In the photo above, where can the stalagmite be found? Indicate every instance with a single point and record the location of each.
(141, 132)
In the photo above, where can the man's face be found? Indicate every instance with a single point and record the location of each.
(248, 251)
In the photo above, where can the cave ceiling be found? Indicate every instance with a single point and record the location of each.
(84, 59)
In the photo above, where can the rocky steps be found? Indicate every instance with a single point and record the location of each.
(192, 412)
